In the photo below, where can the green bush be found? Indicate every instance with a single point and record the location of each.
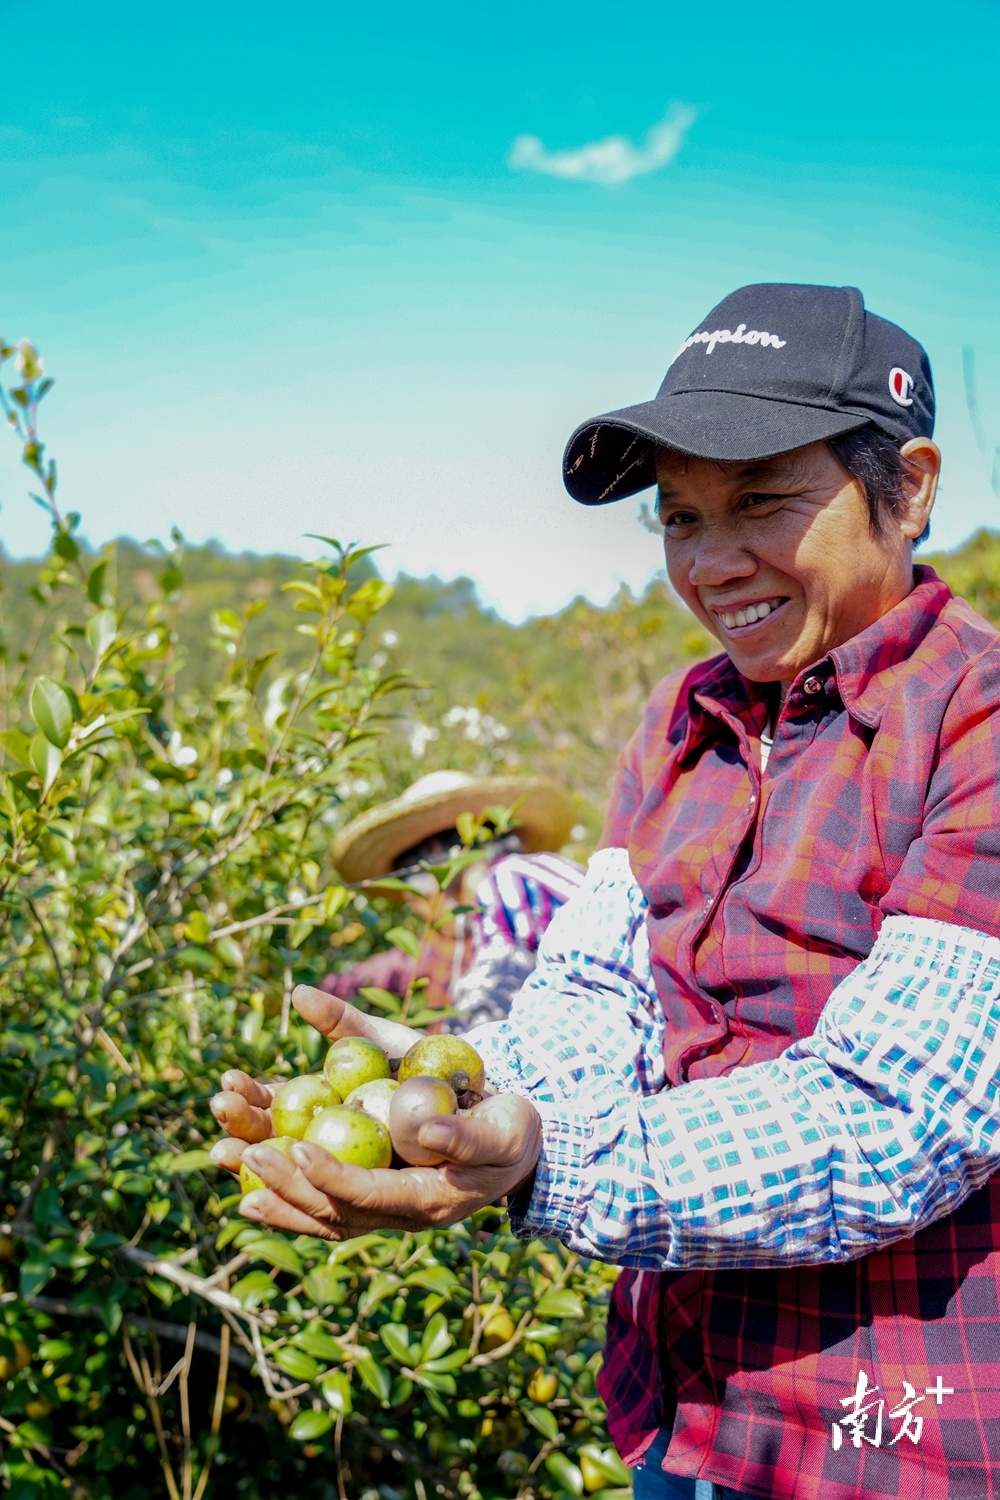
(164, 883)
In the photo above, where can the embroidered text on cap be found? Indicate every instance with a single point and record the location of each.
(900, 386)
(727, 336)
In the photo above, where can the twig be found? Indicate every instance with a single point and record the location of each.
(186, 1409)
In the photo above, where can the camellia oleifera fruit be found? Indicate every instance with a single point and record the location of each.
(447, 1057)
(374, 1098)
(249, 1181)
(295, 1103)
(415, 1101)
(354, 1061)
(351, 1135)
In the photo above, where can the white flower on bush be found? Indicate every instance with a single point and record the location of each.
(420, 736)
(480, 728)
(181, 754)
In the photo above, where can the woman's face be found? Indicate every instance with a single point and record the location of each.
(777, 558)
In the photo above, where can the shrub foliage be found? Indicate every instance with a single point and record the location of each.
(164, 882)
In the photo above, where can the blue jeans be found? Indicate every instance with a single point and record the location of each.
(651, 1482)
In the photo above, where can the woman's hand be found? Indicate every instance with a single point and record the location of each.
(243, 1107)
(489, 1154)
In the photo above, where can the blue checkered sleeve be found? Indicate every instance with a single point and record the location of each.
(882, 1121)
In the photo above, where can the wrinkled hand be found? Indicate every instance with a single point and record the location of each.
(489, 1154)
(388, 970)
(243, 1108)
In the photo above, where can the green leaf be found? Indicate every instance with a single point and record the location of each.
(381, 1286)
(402, 937)
(607, 1463)
(296, 1362)
(52, 711)
(375, 1376)
(336, 1390)
(433, 1279)
(396, 1339)
(101, 631)
(307, 1426)
(402, 1390)
(187, 1161)
(65, 547)
(276, 1251)
(315, 1340)
(450, 1362)
(431, 1381)
(36, 1268)
(255, 1288)
(46, 759)
(566, 1474)
(436, 1338)
(561, 1304)
(95, 582)
(18, 745)
(544, 1422)
(324, 1285)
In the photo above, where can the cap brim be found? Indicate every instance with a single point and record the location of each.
(611, 456)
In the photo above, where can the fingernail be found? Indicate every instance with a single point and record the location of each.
(300, 1154)
(435, 1135)
(250, 1212)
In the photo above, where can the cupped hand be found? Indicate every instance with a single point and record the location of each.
(243, 1107)
(489, 1154)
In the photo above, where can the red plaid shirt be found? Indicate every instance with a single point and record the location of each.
(881, 796)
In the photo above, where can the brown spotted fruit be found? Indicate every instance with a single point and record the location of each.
(447, 1057)
(415, 1101)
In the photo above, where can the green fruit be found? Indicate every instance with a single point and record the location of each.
(415, 1101)
(295, 1103)
(351, 1135)
(249, 1181)
(354, 1061)
(374, 1098)
(446, 1057)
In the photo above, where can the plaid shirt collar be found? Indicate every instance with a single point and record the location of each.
(861, 671)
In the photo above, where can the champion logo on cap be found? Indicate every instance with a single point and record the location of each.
(728, 336)
(900, 386)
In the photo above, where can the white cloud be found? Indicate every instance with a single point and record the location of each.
(612, 161)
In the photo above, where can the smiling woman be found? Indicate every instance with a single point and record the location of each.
(780, 559)
(729, 1061)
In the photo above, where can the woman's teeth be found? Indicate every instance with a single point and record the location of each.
(749, 615)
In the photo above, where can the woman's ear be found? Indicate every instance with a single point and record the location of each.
(923, 463)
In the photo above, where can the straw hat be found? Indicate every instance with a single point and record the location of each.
(371, 843)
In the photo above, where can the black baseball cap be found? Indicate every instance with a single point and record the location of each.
(773, 367)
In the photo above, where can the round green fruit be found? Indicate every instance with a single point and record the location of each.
(295, 1103)
(374, 1098)
(415, 1101)
(446, 1057)
(354, 1061)
(249, 1181)
(351, 1136)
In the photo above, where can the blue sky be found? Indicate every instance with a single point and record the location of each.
(289, 281)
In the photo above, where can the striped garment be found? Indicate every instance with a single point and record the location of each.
(764, 897)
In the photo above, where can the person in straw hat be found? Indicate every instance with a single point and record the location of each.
(477, 961)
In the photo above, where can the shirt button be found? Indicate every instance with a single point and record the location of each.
(812, 685)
